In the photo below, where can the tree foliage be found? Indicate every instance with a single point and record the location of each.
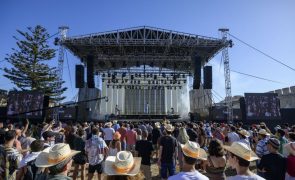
(30, 69)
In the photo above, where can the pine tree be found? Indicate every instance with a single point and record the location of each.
(30, 70)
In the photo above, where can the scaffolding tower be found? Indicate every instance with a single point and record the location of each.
(225, 58)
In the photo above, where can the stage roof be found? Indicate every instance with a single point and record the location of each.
(144, 45)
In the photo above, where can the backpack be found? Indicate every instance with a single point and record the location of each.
(7, 163)
(31, 170)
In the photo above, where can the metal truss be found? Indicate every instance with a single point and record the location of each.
(62, 35)
(225, 58)
(143, 45)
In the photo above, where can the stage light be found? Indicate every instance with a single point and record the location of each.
(179, 87)
(157, 82)
(183, 76)
(184, 81)
(109, 81)
(149, 82)
(126, 80)
(123, 74)
(135, 74)
(138, 82)
(175, 88)
(103, 75)
(178, 82)
(117, 81)
(124, 64)
(171, 81)
(139, 75)
(108, 86)
(163, 75)
(109, 75)
(165, 82)
(152, 64)
(137, 64)
(132, 77)
(155, 77)
(102, 80)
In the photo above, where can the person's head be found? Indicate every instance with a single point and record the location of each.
(281, 132)
(94, 131)
(138, 176)
(292, 136)
(215, 148)
(131, 126)
(58, 159)
(145, 134)
(240, 155)
(243, 134)
(192, 152)
(262, 133)
(169, 129)
(37, 146)
(80, 132)
(233, 129)
(9, 136)
(273, 145)
(48, 136)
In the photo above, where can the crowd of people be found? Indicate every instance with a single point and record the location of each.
(127, 150)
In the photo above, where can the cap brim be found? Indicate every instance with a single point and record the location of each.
(42, 159)
(253, 156)
(202, 153)
(109, 170)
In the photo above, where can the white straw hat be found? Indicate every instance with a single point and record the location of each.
(244, 132)
(157, 125)
(54, 155)
(263, 132)
(169, 127)
(193, 150)
(122, 164)
(242, 150)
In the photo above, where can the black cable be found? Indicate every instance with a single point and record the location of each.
(276, 60)
(69, 70)
(257, 77)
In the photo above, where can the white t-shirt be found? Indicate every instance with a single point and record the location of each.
(243, 177)
(188, 176)
(108, 134)
(233, 137)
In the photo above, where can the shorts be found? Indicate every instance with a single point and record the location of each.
(98, 168)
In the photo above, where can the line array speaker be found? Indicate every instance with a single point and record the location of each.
(79, 76)
(207, 77)
(90, 71)
(197, 72)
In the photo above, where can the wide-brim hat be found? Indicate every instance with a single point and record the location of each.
(263, 132)
(242, 150)
(52, 156)
(169, 127)
(157, 125)
(122, 164)
(244, 132)
(193, 150)
(290, 147)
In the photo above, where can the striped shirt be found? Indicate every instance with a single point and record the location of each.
(261, 148)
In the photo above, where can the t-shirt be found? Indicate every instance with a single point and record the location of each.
(233, 137)
(196, 175)
(243, 177)
(144, 149)
(108, 133)
(274, 165)
(291, 165)
(131, 137)
(156, 133)
(192, 135)
(169, 145)
(94, 148)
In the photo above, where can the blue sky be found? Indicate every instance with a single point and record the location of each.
(268, 25)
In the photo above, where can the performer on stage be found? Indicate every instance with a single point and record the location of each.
(117, 110)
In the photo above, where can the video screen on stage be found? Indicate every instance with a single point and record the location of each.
(262, 106)
(20, 102)
(68, 112)
(220, 113)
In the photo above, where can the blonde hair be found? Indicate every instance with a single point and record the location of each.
(182, 137)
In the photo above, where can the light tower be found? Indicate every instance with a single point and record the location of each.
(62, 36)
(225, 58)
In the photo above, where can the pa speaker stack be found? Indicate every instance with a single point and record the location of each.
(79, 76)
(208, 77)
(197, 72)
(90, 71)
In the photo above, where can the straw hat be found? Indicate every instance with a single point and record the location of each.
(242, 150)
(122, 164)
(169, 127)
(193, 150)
(117, 136)
(54, 155)
(158, 125)
(263, 132)
(244, 132)
(290, 147)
